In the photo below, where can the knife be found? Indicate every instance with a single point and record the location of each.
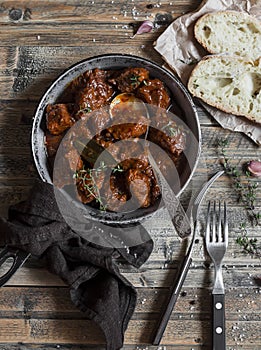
(192, 212)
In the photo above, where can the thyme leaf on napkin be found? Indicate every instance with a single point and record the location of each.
(246, 190)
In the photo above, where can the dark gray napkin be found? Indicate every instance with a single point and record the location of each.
(96, 285)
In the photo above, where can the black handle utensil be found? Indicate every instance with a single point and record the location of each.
(18, 256)
(192, 212)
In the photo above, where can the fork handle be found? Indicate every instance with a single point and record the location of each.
(219, 335)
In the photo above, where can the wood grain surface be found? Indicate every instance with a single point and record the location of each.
(38, 41)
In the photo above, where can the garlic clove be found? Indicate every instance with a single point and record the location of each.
(145, 27)
(254, 167)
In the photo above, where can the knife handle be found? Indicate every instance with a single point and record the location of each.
(219, 334)
(174, 293)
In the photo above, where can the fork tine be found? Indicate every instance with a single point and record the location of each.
(208, 225)
(214, 237)
(225, 224)
(219, 234)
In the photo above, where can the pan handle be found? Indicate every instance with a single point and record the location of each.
(19, 257)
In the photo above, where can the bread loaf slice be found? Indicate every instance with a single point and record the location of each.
(236, 33)
(229, 83)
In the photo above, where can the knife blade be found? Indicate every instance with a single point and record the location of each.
(192, 212)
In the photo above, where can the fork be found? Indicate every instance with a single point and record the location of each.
(216, 244)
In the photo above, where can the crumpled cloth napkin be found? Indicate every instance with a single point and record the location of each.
(96, 285)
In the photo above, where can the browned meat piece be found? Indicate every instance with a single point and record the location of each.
(128, 149)
(129, 130)
(103, 141)
(79, 82)
(59, 118)
(114, 192)
(62, 175)
(64, 169)
(155, 93)
(74, 159)
(129, 79)
(89, 183)
(155, 189)
(96, 93)
(172, 138)
(123, 129)
(72, 89)
(96, 121)
(139, 186)
(52, 143)
(134, 163)
(159, 117)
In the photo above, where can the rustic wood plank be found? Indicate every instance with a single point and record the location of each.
(56, 303)
(85, 332)
(22, 13)
(17, 167)
(23, 346)
(161, 276)
(78, 34)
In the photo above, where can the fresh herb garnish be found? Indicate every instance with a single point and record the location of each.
(246, 189)
(134, 79)
(88, 180)
(118, 169)
(173, 130)
(249, 245)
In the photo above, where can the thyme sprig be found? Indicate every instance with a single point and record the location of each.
(88, 179)
(249, 245)
(173, 131)
(247, 195)
(134, 79)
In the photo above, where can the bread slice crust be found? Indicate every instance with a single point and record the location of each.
(233, 32)
(229, 83)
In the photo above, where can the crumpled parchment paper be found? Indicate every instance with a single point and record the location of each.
(181, 51)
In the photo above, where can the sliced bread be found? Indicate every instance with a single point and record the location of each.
(229, 83)
(236, 33)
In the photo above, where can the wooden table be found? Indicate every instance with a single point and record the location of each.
(40, 39)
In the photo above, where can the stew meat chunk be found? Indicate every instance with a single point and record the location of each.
(154, 92)
(96, 93)
(59, 118)
(129, 79)
(139, 185)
